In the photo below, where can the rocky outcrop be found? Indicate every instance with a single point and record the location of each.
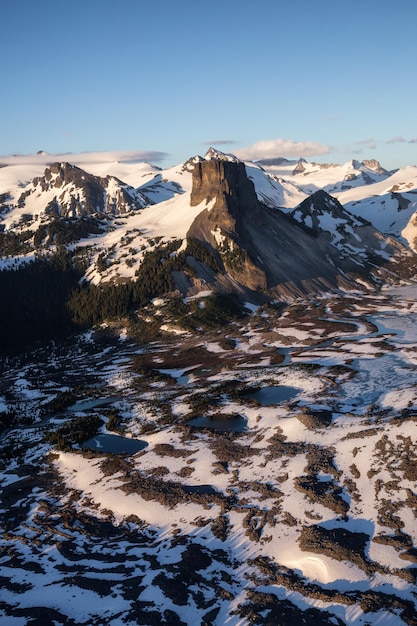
(375, 165)
(356, 241)
(231, 204)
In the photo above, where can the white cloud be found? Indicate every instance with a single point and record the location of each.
(365, 142)
(269, 149)
(368, 144)
(396, 140)
(219, 142)
(125, 156)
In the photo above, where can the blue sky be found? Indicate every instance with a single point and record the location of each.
(326, 80)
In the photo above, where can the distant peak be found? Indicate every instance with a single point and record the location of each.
(212, 153)
(322, 202)
(300, 167)
(375, 165)
(275, 161)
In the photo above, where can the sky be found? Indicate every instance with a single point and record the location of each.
(328, 81)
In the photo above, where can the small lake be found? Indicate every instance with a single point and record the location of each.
(201, 490)
(115, 444)
(87, 405)
(220, 423)
(273, 395)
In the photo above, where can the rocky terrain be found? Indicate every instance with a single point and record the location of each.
(263, 209)
(273, 480)
(223, 431)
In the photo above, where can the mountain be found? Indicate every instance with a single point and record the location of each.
(69, 191)
(283, 236)
(391, 204)
(208, 401)
(331, 177)
(319, 246)
(353, 236)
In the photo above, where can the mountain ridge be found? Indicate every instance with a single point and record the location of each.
(174, 203)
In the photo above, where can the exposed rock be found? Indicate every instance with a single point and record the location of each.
(300, 167)
(212, 153)
(375, 165)
(355, 238)
(233, 202)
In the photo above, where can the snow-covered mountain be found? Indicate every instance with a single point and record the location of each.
(174, 453)
(319, 246)
(333, 178)
(140, 206)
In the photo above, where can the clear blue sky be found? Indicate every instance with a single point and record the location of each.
(336, 78)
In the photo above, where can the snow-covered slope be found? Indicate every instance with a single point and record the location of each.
(389, 204)
(140, 205)
(282, 509)
(310, 177)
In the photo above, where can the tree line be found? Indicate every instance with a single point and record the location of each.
(44, 299)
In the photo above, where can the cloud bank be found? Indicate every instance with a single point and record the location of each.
(122, 156)
(269, 149)
(220, 142)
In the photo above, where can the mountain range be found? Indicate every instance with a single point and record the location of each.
(208, 392)
(281, 227)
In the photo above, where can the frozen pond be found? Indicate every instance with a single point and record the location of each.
(380, 376)
(115, 444)
(403, 327)
(87, 405)
(274, 395)
(376, 377)
(221, 423)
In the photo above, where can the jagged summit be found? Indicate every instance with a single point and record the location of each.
(300, 167)
(225, 181)
(271, 231)
(213, 153)
(68, 191)
(375, 165)
(319, 203)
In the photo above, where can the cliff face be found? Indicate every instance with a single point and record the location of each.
(225, 181)
(232, 203)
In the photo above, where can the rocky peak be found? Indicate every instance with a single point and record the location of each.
(321, 202)
(324, 216)
(315, 247)
(217, 155)
(231, 204)
(375, 165)
(300, 167)
(70, 191)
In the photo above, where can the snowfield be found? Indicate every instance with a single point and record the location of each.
(272, 479)
(307, 509)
